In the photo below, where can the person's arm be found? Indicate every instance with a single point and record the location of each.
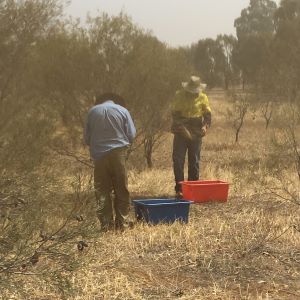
(206, 112)
(130, 128)
(206, 123)
(207, 119)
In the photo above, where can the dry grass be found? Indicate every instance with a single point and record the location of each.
(226, 252)
(247, 248)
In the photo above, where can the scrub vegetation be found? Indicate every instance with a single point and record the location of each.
(50, 244)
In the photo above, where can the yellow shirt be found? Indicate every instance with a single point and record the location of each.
(190, 106)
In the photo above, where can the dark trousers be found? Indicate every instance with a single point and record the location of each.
(182, 145)
(110, 175)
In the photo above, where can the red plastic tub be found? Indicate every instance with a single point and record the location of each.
(205, 190)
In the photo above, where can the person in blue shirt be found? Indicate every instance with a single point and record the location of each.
(108, 132)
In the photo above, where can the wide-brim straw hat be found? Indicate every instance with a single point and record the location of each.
(194, 85)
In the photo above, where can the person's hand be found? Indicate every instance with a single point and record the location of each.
(204, 130)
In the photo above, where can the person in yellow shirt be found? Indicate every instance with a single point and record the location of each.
(191, 117)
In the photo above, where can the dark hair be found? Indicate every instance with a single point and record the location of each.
(110, 96)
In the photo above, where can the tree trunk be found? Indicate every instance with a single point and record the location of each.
(237, 135)
(226, 83)
(148, 150)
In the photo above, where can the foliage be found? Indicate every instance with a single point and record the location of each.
(256, 19)
(207, 56)
(254, 29)
(23, 120)
(155, 72)
(214, 61)
(287, 21)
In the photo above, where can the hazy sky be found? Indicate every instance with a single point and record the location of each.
(176, 22)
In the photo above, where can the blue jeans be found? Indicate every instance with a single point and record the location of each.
(182, 145)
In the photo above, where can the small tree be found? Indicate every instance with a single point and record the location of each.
(264, 103)
(267, 109)
(153, 73)
(237, 113)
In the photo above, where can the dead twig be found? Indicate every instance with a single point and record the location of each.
(78, 158)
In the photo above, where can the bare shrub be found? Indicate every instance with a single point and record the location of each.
(38, 238)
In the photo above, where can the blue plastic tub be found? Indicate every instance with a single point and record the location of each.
(157, 211)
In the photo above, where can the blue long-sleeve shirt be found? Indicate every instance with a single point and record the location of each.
(108, 126)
